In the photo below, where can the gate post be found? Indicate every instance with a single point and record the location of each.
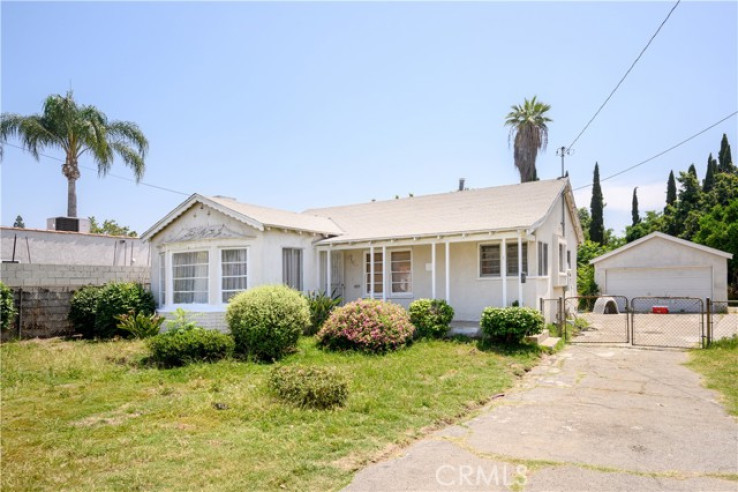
(562, 319)
(708, 339)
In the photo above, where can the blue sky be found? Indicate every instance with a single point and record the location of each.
(300, 105)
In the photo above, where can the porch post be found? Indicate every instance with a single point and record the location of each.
(448, 272)
(371, 272)
(520, 268)
(503, 269)
(317, 270)
(433, 269)
(328, 273)
(384, 273)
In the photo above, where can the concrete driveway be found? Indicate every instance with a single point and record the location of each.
(587, 419)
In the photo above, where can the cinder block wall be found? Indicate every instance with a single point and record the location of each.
(42, 293)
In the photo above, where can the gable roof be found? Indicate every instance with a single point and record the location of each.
(509, 207)
(252, 215)
(660, 235)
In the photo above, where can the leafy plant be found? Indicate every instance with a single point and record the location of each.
(510, 325)
(314, 387)
(119, 298)
(182, 346)
(321, 306)
(431, 317)
(267, 321)
(140, 325)
(367, 325)
(7, 307)
(181, 321)
(83, 310)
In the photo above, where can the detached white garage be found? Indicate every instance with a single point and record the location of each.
(660, 265)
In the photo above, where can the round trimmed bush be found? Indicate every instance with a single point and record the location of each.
(431, 317)
(7, 307)
(510, 325)
(315, 387)
(116, 299)
(182, 346)
(267, 321)
(82, 309)
(367, 325)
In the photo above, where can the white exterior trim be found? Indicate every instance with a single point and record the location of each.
(682, 242)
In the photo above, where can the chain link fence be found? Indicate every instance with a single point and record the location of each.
(597, 319)
(722, 320)
(676, 322)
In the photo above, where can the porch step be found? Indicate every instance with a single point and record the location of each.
(550, 342)
(538, 339)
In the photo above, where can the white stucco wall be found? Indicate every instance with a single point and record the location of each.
(662, 253)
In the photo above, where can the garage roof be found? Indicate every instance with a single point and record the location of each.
(653, 235)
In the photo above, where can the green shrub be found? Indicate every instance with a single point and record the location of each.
(140, 325)
(267, 321)
(183, 346)
(7, 307)
(314, 387)
(321, 306)
(82, 310)
(120, 298)
(367, 325)
(510, 325)
(431, 317)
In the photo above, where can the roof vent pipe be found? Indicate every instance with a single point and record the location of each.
(461, 184)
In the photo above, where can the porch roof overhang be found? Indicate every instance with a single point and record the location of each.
(338, 243)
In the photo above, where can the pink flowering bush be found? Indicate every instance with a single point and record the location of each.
(368, 326)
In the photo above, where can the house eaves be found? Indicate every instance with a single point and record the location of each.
(661, 235)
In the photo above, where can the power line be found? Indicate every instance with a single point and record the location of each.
(124, 178)
(663, 152)
(626, 75)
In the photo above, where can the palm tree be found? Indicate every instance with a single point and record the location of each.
(528, 123)
(77, 129)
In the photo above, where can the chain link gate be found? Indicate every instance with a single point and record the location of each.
(597, 319)
(722, 320)
(673, 322)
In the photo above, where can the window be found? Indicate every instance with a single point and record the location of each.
(562, 258)
(489, 260)
(542, 259)
(190, 275)
(233, 271)
(401, 266)
(378, 274)
(512, 258)
(568, 259)
(292, 267)
(162, 279)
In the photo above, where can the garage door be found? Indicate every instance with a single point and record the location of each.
(659, 282)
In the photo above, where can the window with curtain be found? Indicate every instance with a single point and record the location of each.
(542, 259)
(234, 272)
(512, 258)
(562, 258)
(162, 279)
(292, 268)
(190, 275)
(489, 260)
(378, 274)
(401, 264)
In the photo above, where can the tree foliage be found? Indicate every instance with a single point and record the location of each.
(597, 207)
(110, 228)
(19, 222)
(528, 124)
(634, 214)
(725, 157)
(671, 190)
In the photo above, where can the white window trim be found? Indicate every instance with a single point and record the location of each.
(524, 263)
(170, 271)
(220, 250)
(387, 275)
(302, 266)
(479, 262)
(562, 259)
(548, 260)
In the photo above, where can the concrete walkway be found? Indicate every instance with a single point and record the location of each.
(591, 418)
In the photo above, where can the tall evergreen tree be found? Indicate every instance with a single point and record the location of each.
(671, 190)
(693, 170)
(19, 223)
(709, 182)
(636, 216)
(725, 158)
(596, 207)
(686, 213)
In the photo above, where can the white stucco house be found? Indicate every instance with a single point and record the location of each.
(660, 265)
(474, 248)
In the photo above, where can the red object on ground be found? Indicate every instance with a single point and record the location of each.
(660, 309)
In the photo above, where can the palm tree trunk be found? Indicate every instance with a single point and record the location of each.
(71, 197)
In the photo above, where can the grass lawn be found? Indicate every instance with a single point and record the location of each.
(719, 365)
(81, 414)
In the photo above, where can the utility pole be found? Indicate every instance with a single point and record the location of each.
(563, 151)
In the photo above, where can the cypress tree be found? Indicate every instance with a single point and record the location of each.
(596, 207)
(634, 211)
(671, 190)
(725, 157)
(709, 182)
(693, 171)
